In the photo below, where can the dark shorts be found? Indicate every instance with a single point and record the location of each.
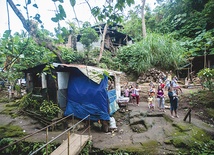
(174, 105)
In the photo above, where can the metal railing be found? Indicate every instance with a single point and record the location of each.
(45, 128)
(68, 131)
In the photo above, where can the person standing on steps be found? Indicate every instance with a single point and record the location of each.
(160, 99)
(133, 95)
(168, 80)
(137, 94)
(151, 92)
(169, 76)
(173, 98)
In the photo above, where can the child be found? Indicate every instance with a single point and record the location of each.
(150, 103)
(151, 91)
(126, 92)
(175, 94)
(133, 94)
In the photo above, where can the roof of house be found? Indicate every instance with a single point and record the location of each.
(93, 73)
(112, 31)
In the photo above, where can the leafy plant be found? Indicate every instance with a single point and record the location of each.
(24, 147)
(88, 36)
(207, 77)
(203, 148)
(70, 56)
(27, 102)
(49, 109)
(45, 108)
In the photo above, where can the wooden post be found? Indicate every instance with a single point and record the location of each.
(190, 117)
(89, 125)
(47, 141)
(205, 58)
(69, 142)
(188, 114)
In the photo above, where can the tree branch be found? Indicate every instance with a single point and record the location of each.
(29, 26)
(19, 14)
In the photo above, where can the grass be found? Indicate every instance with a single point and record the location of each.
(10, 109)
(7, 131)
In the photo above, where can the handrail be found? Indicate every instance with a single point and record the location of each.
(36, 132)
(73, 126)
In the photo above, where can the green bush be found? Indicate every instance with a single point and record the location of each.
(159, 51)
(24, 147)
(45, 108)
(49, 109)
(207, 76)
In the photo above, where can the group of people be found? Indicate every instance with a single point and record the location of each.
(158, 96)
(133, 92)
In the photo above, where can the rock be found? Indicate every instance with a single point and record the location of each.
(138, 128)
(121, 131)
(134, 114)
(137, 120)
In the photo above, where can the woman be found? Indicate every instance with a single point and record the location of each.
(137, 94)
(173, 97)
(160, 99)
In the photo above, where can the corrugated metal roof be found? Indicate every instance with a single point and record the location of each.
(93, 73)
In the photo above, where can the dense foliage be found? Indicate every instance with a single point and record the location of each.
(207, 77)
(177, 29)
(19, 52)
(88, 36)
(153, 51)
(44, 108)
(24, 147)
(190, 21)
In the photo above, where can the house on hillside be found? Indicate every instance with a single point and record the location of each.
(195, 65)
(113, 39)
(200, 62)
(77, 89)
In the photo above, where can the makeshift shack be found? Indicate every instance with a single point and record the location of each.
(78, 89)
(112, 41)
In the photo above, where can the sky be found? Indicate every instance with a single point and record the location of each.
(46, 10)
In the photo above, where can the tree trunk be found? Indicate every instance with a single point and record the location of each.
(30, 27)
(76, 17)
(103, 42)
(143, 19)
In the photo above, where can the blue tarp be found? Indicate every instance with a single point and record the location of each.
(113, 107)
(87, 97)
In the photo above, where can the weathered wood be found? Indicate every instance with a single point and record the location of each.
(77, 142)
(150, 75)
(188, 114)
(190, 117)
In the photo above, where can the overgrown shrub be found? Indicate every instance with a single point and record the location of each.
(27, 102)
(45, 108)
(158, 51)
(207, 77)
(49, 109)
